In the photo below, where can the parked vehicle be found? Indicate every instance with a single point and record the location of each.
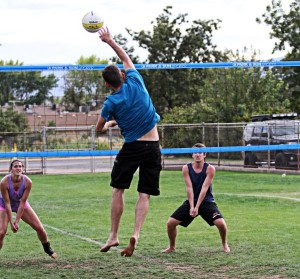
(273, 130)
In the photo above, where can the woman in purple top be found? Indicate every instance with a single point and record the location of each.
(15, 190)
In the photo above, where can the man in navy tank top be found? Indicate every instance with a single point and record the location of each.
(198, 177)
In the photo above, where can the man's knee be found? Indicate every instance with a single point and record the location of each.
(220, 224)
(144, 196)
(172, 223)
(118, 192)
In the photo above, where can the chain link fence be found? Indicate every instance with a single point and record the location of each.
(210, 134)
(86, 138)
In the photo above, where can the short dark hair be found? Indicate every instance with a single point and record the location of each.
(112, 75)
(201, 145)
(13, 161)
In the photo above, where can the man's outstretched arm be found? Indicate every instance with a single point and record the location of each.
(106, 37)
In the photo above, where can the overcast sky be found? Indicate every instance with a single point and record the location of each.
(50, 31)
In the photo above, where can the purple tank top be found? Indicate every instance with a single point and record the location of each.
(14, 196)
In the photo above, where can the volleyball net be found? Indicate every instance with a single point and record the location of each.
(157, 66)
(61, 128)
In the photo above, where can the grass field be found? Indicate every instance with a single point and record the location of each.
(261, 211)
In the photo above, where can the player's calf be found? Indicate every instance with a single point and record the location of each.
(48, 250)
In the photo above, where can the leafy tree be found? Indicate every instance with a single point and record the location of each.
(285, 26)
(190, 95)
(11, 121)
(122, 41)
(286, 29)
(173, 40)
(82, 87)
(25, 87)
(239, 93)
(234, 95)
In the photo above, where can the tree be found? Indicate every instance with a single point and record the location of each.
(191, 95)
(122, 41)
(25, 87)
(11, 121)
(286, 29)
(175, 41)
(234, 95)
(82, 87)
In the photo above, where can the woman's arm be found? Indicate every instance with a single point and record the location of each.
(5, 197)
(28, 185)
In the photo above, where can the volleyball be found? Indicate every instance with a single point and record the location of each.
(92, 22)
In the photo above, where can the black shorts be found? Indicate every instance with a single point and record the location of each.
(208, 211)
(144, 155)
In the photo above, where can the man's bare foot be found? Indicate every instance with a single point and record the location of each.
(108, 245)
(54, 256)
(128, 251)
(168, 250)
(226, 248)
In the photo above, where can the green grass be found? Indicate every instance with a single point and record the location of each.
(263, 230)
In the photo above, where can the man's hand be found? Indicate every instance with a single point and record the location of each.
(105, 35)
(106, 127)
(193, 211)
(109, 124)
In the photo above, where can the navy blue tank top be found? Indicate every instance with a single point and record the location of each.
(197, 182)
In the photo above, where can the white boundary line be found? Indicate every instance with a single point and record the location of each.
(260, 196)
(74, 235)
(88, 239)
(116, 248)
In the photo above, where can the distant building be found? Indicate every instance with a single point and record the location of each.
(40, 116)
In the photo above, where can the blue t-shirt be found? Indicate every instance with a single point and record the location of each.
(131, 107)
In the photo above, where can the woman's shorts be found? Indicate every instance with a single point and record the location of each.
(27, 205)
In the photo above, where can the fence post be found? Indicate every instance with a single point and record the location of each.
(44, 149)
(92, 147)
(218, 136)
(269, 152)
(203, 132)
(110, 146)
(298, 153)
(162, 145)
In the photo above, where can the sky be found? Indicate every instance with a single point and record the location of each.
(40, 32)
